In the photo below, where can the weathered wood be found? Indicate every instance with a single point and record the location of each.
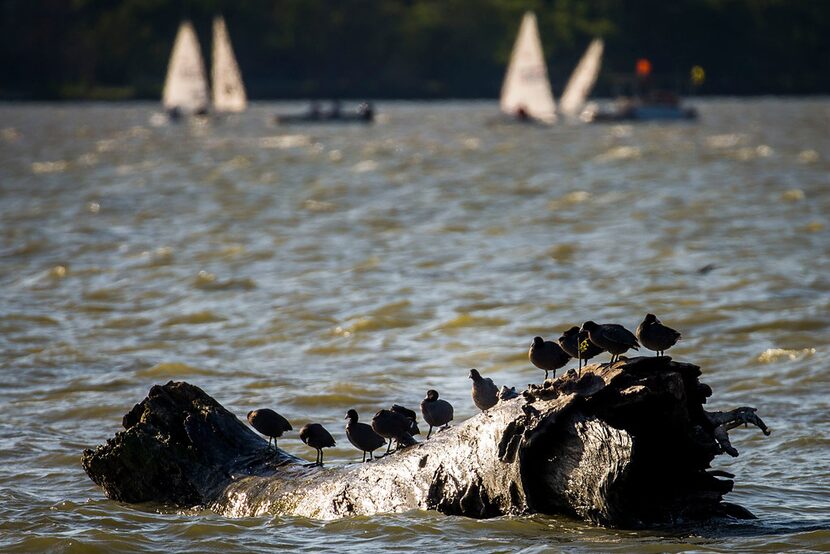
(626, 445)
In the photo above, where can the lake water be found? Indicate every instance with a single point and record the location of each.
(317, 269)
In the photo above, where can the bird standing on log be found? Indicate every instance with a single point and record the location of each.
(485, 392)
(436, 412)
(362, 436)
(656, 336)
(316, 436)
(547, 355)
(393, 425)
(410, 415)
(614, 338)
(577, 345)
(269, 423)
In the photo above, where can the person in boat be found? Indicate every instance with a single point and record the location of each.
(314, 111)
(174, 114)
(336, 110)
(661, 97)
(366, 111)
(522, 115)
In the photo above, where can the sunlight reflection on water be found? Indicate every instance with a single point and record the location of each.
(323, 268)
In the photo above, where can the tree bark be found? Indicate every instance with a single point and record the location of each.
(627, 445)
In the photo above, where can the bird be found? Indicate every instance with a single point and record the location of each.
(316, 436)
(614, 338)
(656, 336)
(436, 412)
(393, 425)
(362, 436)
(577, 345)
(269, 423)
(411, 415)
(485, 392)
(547, 355)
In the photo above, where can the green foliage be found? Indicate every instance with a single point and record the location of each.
(410, 48)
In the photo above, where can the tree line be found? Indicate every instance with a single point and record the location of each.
(119, 49)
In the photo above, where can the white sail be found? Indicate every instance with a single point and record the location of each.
(228, 90)
(186, 87)
(526, 84)
(582, 80)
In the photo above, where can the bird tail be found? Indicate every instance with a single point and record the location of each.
(406, 439)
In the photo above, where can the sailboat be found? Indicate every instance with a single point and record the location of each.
(526, 92)
(582, 80)
(228, 90)
(186, 87)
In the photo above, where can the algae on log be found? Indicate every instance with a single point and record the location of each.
(627, 444)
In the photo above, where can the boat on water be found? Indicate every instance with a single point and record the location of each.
(363, 113)
(186, 86)
(228, 90)
(645, 102)
(526, 95)
(582, 81)
(186, 90)
(656, 106)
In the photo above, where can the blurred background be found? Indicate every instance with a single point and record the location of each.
(101, 49)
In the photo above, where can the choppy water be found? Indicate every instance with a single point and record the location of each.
(319, 269)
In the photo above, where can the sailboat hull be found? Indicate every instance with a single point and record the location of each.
(645, 113)
(306, 119)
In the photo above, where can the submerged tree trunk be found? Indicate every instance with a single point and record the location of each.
(623, 445)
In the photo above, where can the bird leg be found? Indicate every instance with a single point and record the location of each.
(430, 431)
(546, 375)
(388, 448)
(321, 457)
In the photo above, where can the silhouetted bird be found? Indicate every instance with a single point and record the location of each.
(362, 436)
(614, 338)
(316, 436)
(656, 336)
(436, 412)
(547, 355)
(392, 425)
(485, 392)
(411, 415)
(570, 342)
(269, 423)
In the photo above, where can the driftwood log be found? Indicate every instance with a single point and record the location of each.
(627, 445)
